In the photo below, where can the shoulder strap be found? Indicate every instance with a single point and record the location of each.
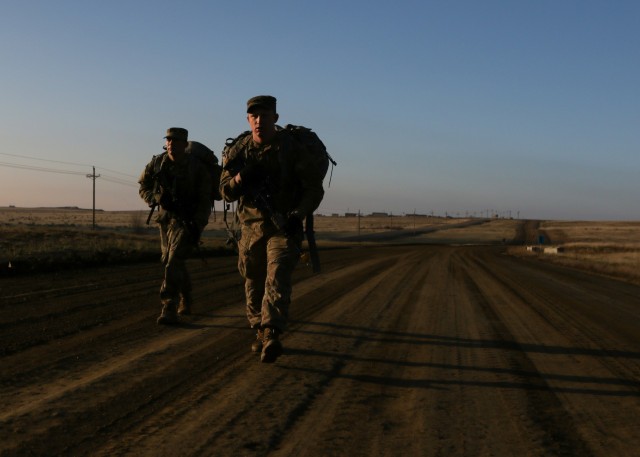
(234, 145)
(158, 160)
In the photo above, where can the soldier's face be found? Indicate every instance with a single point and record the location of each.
(263, 124)
(175, 147)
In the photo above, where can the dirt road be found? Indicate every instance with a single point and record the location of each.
(392, 351)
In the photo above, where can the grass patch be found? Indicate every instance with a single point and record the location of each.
(606, 248)
(38, 248)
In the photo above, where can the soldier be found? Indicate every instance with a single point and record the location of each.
(276, 186)
(180, 185)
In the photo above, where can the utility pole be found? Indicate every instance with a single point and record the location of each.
(414, 221)
(94, 176)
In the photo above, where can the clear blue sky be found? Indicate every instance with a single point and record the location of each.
(531, 108)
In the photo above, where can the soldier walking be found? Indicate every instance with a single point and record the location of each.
(276, 186)
(180, 186)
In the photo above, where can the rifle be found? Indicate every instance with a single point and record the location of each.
(311, 240)
(153, 208)
(258, 193)
(192, 229)
(261, 198)
(262, 202)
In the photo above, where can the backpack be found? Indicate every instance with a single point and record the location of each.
(321, 157)
(314, 145)
(208, 157)
(300, 134)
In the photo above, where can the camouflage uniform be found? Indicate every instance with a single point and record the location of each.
(267, 256)
(186, 185)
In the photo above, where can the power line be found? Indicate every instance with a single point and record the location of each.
(116, 180)
(66, 163)
(45, 160)
(48, 170)
(118, 172)
(93, 175)
(112, 179)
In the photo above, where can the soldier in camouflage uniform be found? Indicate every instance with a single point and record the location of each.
(181, 186)
(276, 186)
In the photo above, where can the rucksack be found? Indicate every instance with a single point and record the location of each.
(208, 157)
(314, 145)
(321, 158)
(302, 135)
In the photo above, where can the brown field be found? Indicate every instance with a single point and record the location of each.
(418, 338)
(43, 238)
(607, 248)
(55, 236)
(83, 218)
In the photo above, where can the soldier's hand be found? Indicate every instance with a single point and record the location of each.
(167, 202)
(293, 226)
(252, 174)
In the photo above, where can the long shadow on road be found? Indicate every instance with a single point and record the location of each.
(527, 380)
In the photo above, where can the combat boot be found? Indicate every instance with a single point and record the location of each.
(184, 309)
(256, 346)
(271, 345)
(168, 315)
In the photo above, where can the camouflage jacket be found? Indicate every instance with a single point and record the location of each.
(292, 181)
(186, 185)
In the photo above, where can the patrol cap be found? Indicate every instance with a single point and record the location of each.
(262, 101)
(177, 133)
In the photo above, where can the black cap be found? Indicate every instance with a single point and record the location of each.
(177, 133)
(262, 101)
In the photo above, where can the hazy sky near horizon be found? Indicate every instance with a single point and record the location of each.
(530, 109)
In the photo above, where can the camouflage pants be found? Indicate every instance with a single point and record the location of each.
(266, 262)
(176, 244)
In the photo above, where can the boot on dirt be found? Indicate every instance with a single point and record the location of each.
(271, 345)
(168, 315)
(256, 346)
(184, 309)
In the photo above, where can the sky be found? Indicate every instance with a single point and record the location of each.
(527, 109)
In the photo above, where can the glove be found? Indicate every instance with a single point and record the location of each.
(293, 226)
(252, 174)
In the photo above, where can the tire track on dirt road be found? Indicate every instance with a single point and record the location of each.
(403, 350)
(151, 369)
(540, 414)
(556, 324)
(231, 405)
(360, 388)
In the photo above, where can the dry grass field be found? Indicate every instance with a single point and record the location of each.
(83, 218)
(42, 238)
(603, 247)
(53, 236)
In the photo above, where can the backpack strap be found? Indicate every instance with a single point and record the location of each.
(233, 147)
